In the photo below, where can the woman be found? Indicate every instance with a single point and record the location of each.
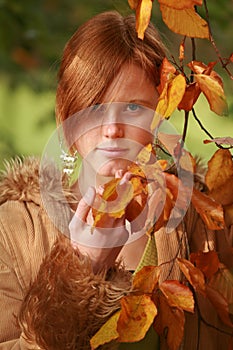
(61, 292)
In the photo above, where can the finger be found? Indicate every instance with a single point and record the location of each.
(85, 204)
(127, 176)
(119, 173)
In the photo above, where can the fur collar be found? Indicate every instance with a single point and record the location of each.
(24, 179)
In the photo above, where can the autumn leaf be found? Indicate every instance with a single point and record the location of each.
(134, 4)
(146, 279)
(199, 67)
(222, 281)
(221, 141)
(178, 295)
(143, 14)
(185, 22)
(167, 71)
(207, 262)
(220, 304)
(190, 97)
(193, 275)
(106, 333)
(210, 211)
(136, 317)
(213, 92)
(145, 154)
(171, 320)
(219, 177)
(181, 4)
(170, 97)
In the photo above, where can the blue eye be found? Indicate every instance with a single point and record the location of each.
(133, 107)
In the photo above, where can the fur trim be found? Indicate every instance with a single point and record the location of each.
(23, 180)
(68, 303)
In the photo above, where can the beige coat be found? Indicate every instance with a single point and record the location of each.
(62, 302)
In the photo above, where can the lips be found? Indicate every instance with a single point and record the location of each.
(112, 152)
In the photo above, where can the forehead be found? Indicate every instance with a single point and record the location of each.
(132, 84)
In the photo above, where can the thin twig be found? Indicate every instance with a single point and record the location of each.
(211, 38)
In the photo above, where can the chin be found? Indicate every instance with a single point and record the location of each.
(113, 166)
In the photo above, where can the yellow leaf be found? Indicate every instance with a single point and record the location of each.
(214, 93)
(178, 295)
(137, 315)
(170, 97)
(219, 177)
(145, 154)
(185, 22)
(106, 333)
(146, 279)
(143, 14)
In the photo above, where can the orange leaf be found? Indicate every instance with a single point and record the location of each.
(185, 22)
(201, 68)
(181, 4)
(181, 51)
(167, 71)
(134, 4)
(106, 333)
(146, 279)
(231, 57)
(178, 295)
(210, 211)
(193, 275)
(137, 315)
(214, 93)
(170, 97)
(143, 14)
(190, 97)
(207, 262)
(219, 177)
(171, 320)
(220, 304)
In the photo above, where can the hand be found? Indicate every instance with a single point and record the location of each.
(103, 244)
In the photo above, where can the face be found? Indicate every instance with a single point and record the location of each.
(111, 134)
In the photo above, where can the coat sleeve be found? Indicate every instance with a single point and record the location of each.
(68, 303)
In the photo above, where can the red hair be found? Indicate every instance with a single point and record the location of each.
(95, 54)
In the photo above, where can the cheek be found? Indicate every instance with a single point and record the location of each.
(140, 135)
(86, 143)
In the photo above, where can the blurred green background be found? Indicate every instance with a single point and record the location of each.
(32, 36)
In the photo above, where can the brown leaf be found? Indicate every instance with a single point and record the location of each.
(222, 281)
(185, 22)
(190, 97)
(193, 275)
(170, 97)
(220, 304)
(210, 211)
(219, 177)
(146, 279)
(181, 4)
(143, 14)
(137, 315)
(207, 262)
(213, 92)
(221, 141)
(178, 295)
(106, 333)
(171, 320)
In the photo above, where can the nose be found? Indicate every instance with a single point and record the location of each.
(111, 127)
